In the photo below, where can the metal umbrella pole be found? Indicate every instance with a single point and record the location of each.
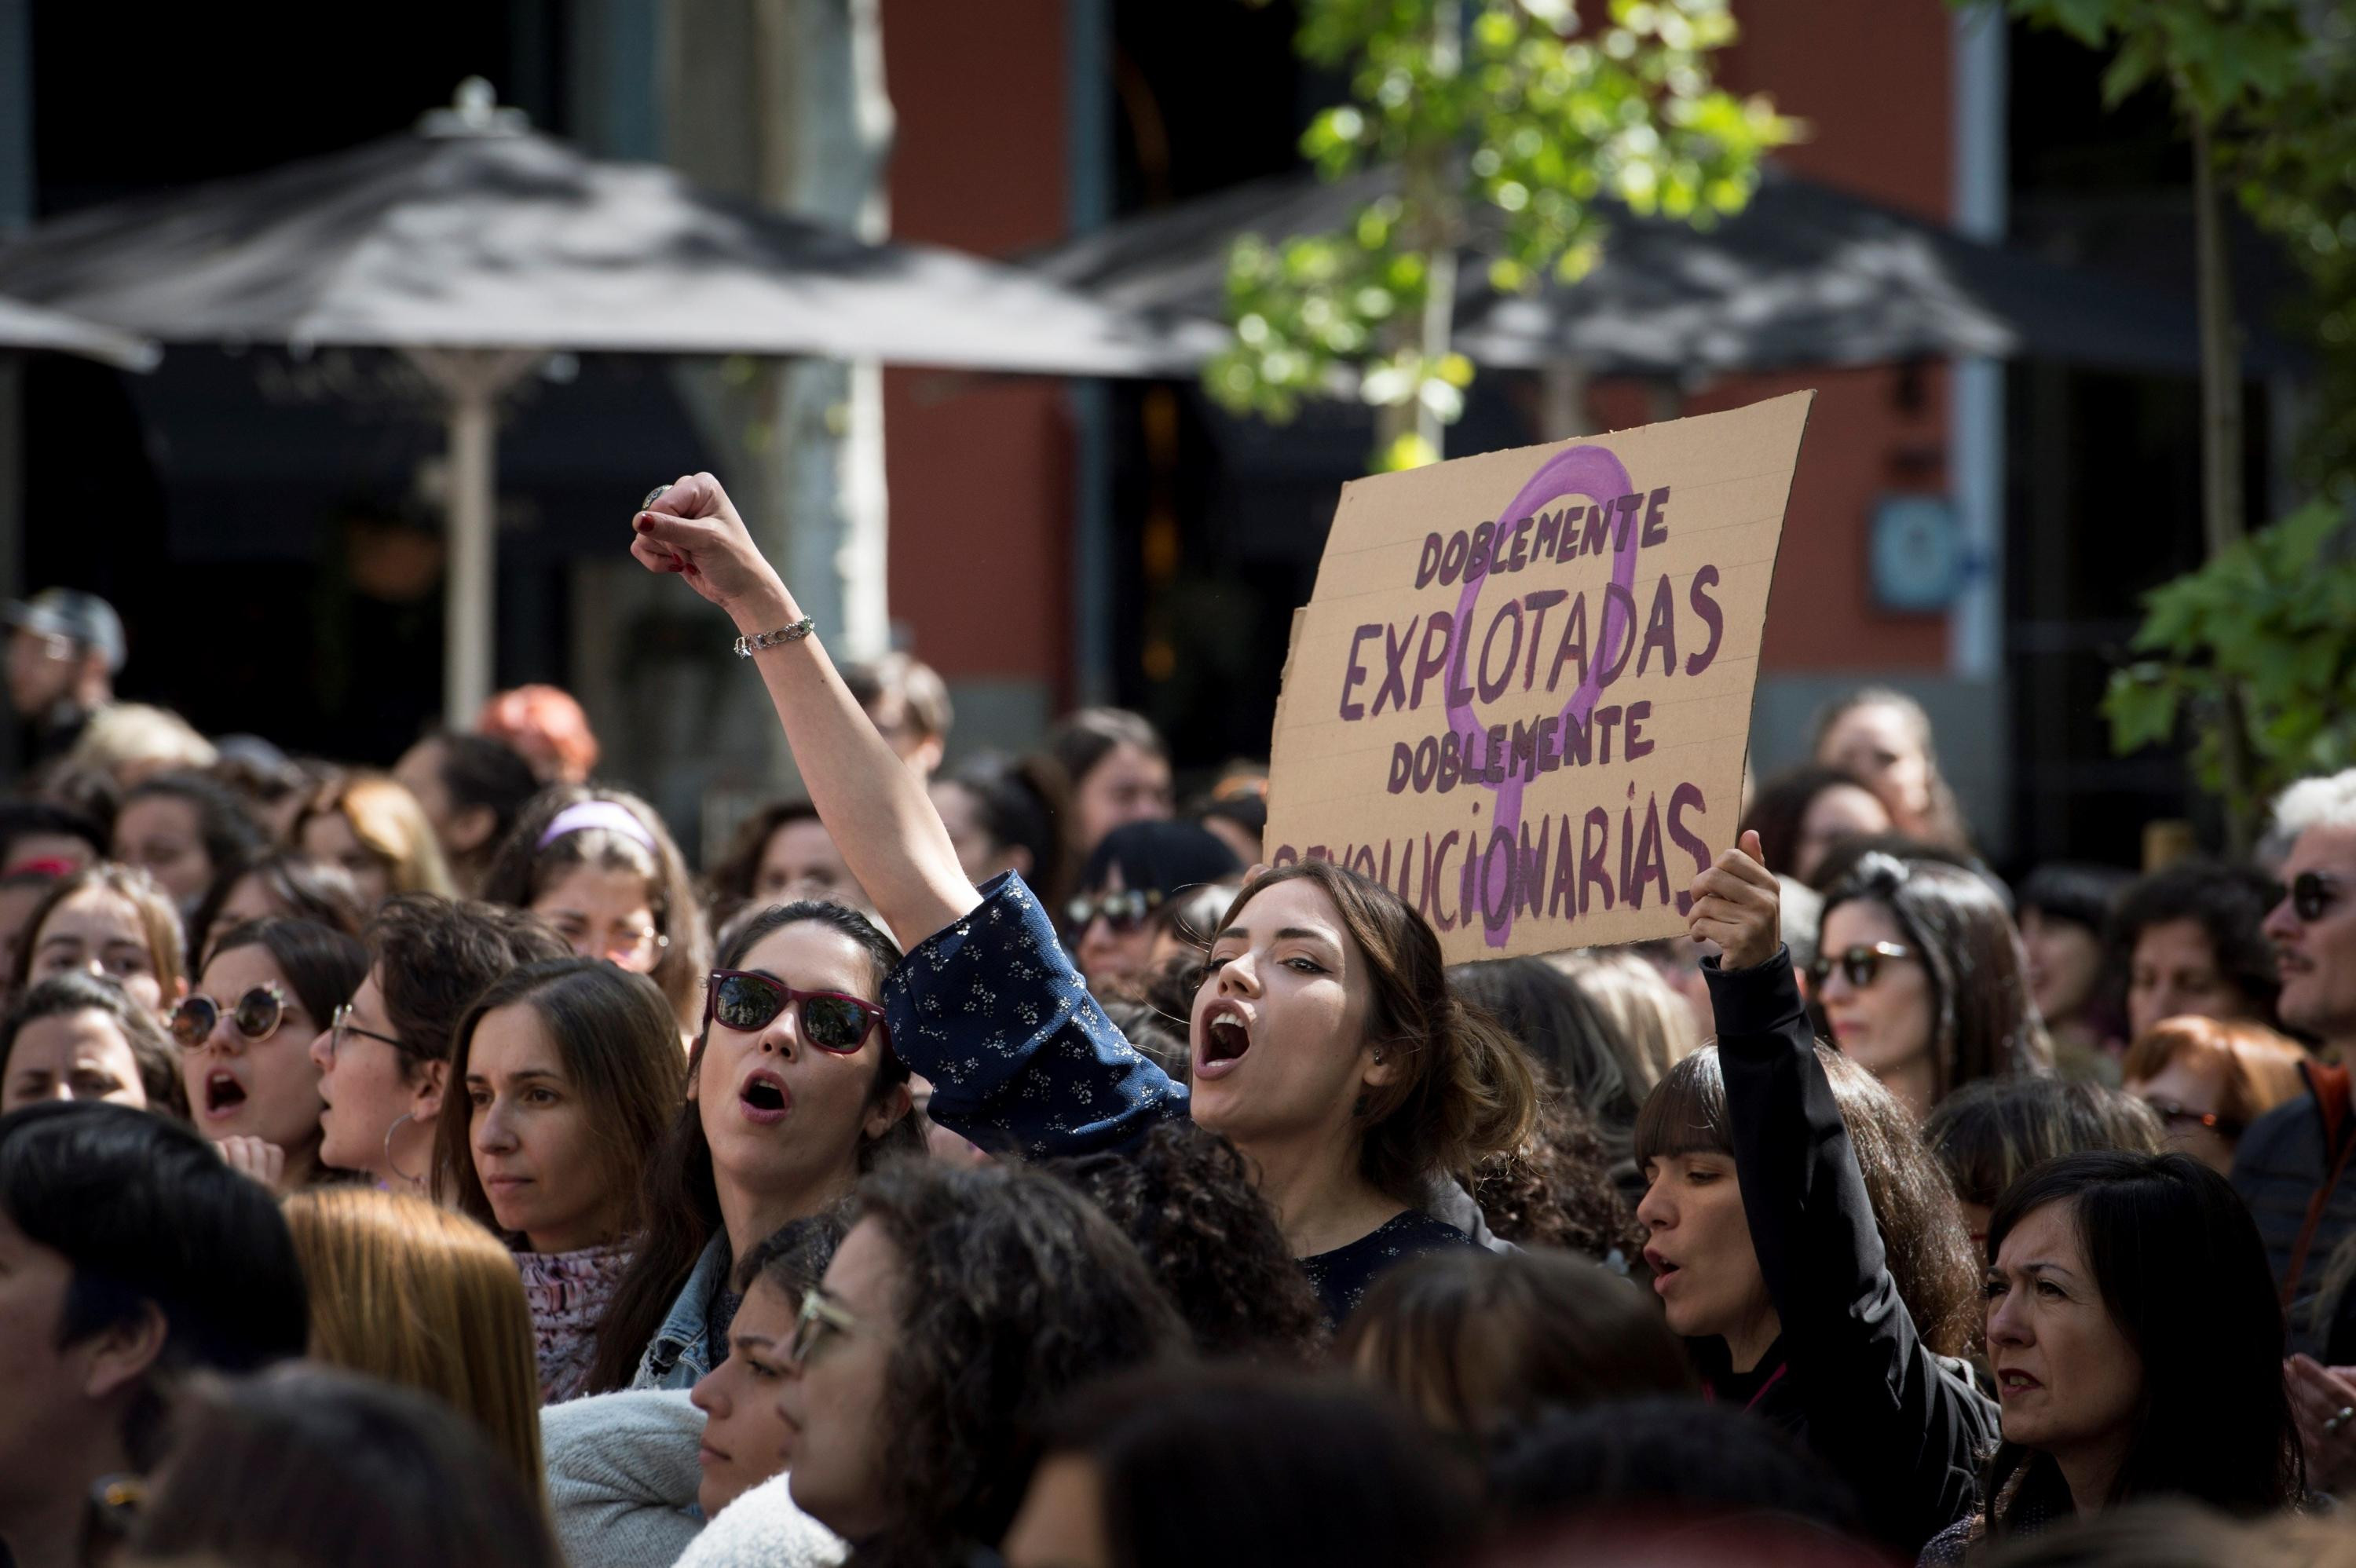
(471, 380)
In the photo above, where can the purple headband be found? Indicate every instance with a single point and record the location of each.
(587, 814)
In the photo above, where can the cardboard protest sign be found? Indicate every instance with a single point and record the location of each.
(1520, 695)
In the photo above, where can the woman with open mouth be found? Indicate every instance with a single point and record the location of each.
(794, 1090)
(567, 1073)
(245, 1032)
(1802, 1239)
(1325, 1043)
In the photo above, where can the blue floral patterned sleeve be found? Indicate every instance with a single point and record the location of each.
(1020, 1057)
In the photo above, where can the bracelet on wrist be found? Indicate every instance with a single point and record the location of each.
(747, 647)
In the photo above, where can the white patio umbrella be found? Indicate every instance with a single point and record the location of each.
(29, 328)
(475, 247)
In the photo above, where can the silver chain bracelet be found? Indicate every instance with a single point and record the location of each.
(747, 647)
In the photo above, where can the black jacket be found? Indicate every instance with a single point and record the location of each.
(1905, 1427)
(2287, 1168)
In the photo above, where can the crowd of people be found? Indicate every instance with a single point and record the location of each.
(994, 1163)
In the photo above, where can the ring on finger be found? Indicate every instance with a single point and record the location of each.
(652, 496)
(2338, 1419)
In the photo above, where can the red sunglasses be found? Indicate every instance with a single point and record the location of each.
(749, 1003)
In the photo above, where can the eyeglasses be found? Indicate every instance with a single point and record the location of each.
(1124, 910)
(2177, 1113)
(829, 1020)
(817, 1319)
(341, 1025)
(1860, 966)
(256, 1015)
(2311, 895)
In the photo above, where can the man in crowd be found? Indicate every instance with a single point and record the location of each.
(908, 703)
(2292, 1165)
(65, 648)
(130, 1256)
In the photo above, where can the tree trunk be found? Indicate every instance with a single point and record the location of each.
(2222, 523)
(2221, 357)
(1434, 219)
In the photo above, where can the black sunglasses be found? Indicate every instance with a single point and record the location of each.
(1860, 966)
(749, 1003)
(256, 1015)
(2311, 895)
(2177, 1113)
(1124, 910)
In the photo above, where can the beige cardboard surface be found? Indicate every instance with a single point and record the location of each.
(1520, 695)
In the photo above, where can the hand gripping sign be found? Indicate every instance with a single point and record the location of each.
(1520, 695)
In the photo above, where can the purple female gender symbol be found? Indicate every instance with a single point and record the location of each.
(1595, 473)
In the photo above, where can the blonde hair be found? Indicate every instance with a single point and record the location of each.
(129, 741)
(1647, 1011)
(389, 824)
(425, 1298)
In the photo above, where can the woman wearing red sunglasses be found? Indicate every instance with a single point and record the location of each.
(1325, 1043)
(793, 1091)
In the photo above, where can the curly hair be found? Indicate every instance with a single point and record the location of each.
(1013, 1290)
(1557, 1190)
(1186, 1198)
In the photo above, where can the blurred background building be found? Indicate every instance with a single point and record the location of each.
(1977, 534)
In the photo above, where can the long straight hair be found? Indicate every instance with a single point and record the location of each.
(2184, 1276)
(425, 1298)
(619, 1045)
(1984, 1021)
(683, 1193)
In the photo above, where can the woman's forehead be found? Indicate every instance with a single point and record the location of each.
(1295, 904)
(809, 955)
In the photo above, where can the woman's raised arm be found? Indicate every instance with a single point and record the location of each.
(880, 816)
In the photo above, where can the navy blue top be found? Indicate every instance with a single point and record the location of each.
(1023, 1061)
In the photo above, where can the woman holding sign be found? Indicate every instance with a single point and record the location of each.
(1804, 1240)
(1325, 1043)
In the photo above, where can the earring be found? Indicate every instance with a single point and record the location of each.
(389, 1163)
(1378, 1056)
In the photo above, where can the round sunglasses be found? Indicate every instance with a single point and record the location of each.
(748, 1003)
(1860, 966)
(255, 1015)
(1124, 910)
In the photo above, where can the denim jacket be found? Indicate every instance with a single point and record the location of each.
(681, 1350)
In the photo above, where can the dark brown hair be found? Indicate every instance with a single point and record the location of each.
(75, 992)
(311, 889)
(524, 868)
(1479, 1341)
(1923, 1241)
(1186, 1198)
(310, 1468)
(1985, 1135)
(1779, 812)
(1234, 1467)
(682, 1190)
(1466, 1089)
(1984, 1023)
(619, 1045)
(432, 957)
(1556, 1190)
(2184, 1276)
(739, 866)
(1011, 1291)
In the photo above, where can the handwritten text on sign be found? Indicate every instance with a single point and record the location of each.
(1520, 695)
